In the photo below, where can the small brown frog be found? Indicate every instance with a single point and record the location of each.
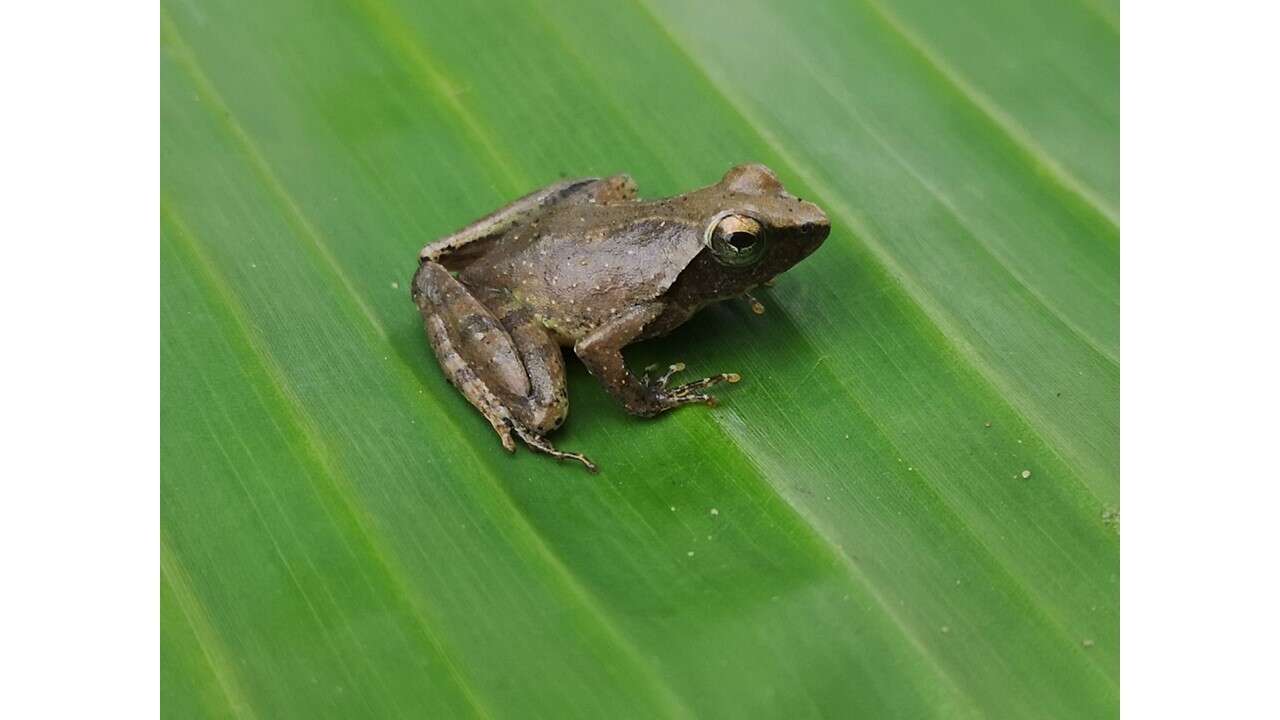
(584, 264)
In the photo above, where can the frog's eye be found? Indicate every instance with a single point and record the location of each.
(736, 239)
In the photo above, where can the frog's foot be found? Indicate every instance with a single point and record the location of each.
(542, 445)
(668, 398)
(504, 432)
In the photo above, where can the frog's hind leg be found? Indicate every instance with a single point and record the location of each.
(545, 406)
(445, 305)
(509, 371)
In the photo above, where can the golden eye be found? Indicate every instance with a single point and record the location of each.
(736, 239)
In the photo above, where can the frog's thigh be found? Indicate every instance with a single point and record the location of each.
(475, 352)
(546, 404)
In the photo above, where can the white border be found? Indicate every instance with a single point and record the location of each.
(1201, 227)
(78, 292)
(79, 228)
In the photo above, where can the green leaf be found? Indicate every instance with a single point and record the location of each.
(849, 534)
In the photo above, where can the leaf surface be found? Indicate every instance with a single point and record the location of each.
(342, 534)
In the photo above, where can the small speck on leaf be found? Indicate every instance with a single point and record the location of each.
(1111, 518)
(1026, 474)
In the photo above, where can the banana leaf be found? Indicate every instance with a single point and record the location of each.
(907, 508)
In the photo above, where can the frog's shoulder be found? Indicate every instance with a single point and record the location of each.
(671, 247)
(653, 251)
(456, 250)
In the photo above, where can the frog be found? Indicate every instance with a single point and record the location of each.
(585, 264)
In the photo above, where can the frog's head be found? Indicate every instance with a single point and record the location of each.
(754, 232)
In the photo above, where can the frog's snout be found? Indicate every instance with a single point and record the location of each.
(817, 229)
(814, 223)
(811, 231)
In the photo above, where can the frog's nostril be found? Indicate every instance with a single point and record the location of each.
(814, 229)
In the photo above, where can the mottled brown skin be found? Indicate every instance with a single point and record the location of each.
(583, 264)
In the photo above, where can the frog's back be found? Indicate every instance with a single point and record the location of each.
(459, 249)
(577, 266)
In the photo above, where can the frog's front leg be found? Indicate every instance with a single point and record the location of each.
(601, 352)
(507, 368)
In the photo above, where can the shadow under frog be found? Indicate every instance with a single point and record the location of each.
(584, 264)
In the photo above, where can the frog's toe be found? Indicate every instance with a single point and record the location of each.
(504, 432)
(660, 383)
(706, 382)
(541, 444)
(691, 398)
(666, 397)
